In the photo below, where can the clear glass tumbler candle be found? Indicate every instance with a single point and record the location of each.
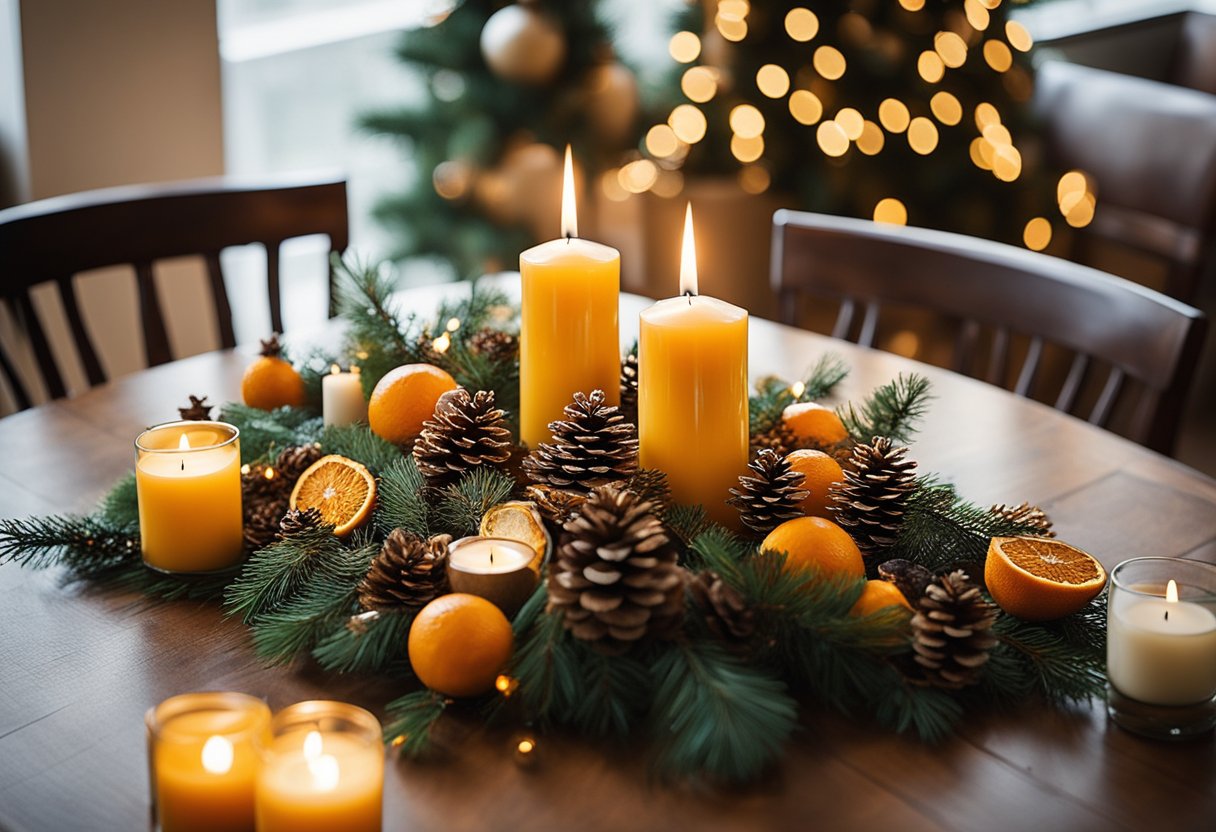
(188, 479)
(202, 761)
(1161, 647)
(322, 769)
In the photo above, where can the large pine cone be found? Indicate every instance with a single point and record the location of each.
(952, 631)
(464, 432)
(408, 573)
(726, 613)
(295, 521)
(294, 461)
(650, 484)
(556, 505)
(261, 524)
(772, 496)
(870, 503)
(614, 578)
(780, 437)
(594, 447)
(1027, 514)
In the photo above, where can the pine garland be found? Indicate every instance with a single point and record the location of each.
(410, 719)
(773, 395)
(367, 643)
(892, 410)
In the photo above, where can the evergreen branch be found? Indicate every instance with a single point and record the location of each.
(892, 410)
(461, 506)
(686, 522)
(84, 544)
(547, 667)
(401, 499)
(773, 395)
(1058, 669)
(715, 714)
(409, 720)
(120, 506)
(364, 299)
(281, 570)
(375, 644)
(614, 697)
(932, 713)
(357, 442)
(264, 433)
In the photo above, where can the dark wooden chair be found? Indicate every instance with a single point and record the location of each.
(1151, 148)
(1141, 338)
(51, 240)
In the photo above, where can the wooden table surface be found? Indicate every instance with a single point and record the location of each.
(79, 666)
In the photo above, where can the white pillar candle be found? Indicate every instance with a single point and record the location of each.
(342, 401)
(1161, 650)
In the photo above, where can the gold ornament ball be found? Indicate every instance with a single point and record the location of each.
(612, 100)
(523, 45)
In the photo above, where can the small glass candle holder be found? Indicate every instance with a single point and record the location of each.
(202, 761)
(188, 481)
(322, 769)
(502, 571)
(1161, 647)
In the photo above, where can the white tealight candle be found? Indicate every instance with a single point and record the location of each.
(342, 401)
(496, 569)
(1161, 650)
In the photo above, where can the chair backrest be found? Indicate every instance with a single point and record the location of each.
(51, 240)
(1001, 291)
(1151, 147)
(1194, 63)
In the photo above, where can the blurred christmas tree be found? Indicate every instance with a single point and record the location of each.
(508, 85)
(910, 112)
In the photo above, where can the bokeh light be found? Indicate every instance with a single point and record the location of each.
(891, 211)
(1081, 213)
(831, 138)
(661, 141)
(1017, 35)
(851, 122)
(871, 140)
(688, 123)
(922, 135)
(912, 5)
(977, 15)
(772, 80)
(754, 179)
(1072, 182)
(668, 184)
(610, 184)
(829, 62)
(637, 177)
(699, 83)
(986, 114)
(801, 24)
(981, 153)
(805, 107)
(1006, 163)
(951, 48)
(930, 66)
(730, 28)
(946, 108)
(998, 134)
(746, 150)
(894, 115)
(684, 47)
(997, 54)
(746, 121)
(1037, 234)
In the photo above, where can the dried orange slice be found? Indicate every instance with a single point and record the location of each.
(518, 520)
(343, 490)
(1039, 579)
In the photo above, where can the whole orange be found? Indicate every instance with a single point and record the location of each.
(405, 398)
(814, 423)
(816, 543)
(878, 595)
(459, 643)
(819, 471)
(270, 381)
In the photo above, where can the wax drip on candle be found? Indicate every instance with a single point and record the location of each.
(569, 210)
(688, 258)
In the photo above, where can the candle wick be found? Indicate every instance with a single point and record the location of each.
(689, 294)
(569, 237)
(1167, 615)
(183, 465)
(492, 563)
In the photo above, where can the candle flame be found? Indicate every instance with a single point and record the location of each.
(183, 444)
(312, 745)
(325, 772)
(1171, 592)
(569, 210)
(217, 755)
(334, 370)
(688, 257)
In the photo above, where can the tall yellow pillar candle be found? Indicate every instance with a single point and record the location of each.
(568, 336)
(692, 392)
(188, 482)
(202, 761)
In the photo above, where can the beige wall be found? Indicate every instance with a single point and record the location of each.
(120, 92)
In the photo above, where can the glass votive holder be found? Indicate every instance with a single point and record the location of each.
(202, 761)
(188, 481)
(322, 769)
(1161, 647)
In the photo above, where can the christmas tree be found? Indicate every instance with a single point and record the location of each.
(908, 112)
(508, 85)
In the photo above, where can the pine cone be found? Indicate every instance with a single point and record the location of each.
(198, 411)
(952, 631)
(261, 483)
(870, 503)
(271, 348)
(296, 521)
(464, 432)
(495, 344)
(614, 578)
(262, 522)
(629, 386)
(294, 461)
(911, 579)
(780, 437)
(650, 484)
(1027, 514)
(773, 496)
(408, 573)
(595, 447)
(725, 611)
(557, 506)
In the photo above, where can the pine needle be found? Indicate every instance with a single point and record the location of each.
(265, 433)
(357, 442)
(280, 571)
(401, 499)
(892, 410)
(773, 394)
(461, 506)
(409, 720)
(375, 646)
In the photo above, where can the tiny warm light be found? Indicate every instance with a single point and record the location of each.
(978, 156)
(894, 115)
(1037, 234)
(217, 755)
(746, 150)
(398, 741)
(997, 54)
(977, 15)
(269, 473)
(245, 468)
(922, 135)
(688, 123)
(637, 176)
(731, 29)
(746, 121)
(905, 343)
(1006, 163)
(891, 211)
(1081, 212)
(951, 48)
(990, 4)
(441, 344)
(699, 83)
(912, 5)
(505, 685)
(661, 141)
(684, 47)
(805, 107)
(829, 62)
(668, 184)
(930, 66)
(871, 140)
(610, 184)
(986, 114)
(1073, 182)
(334, 369)
(525, 751)
(831, 138)
(451, 179)
(851, 122)
(772, 80)
(998, 134)
(801, 24)
(361, 355)
(183, 444)
(453, 324)
(946, 108)
(733, 9)
(1017, 35)
(688, 256)
(569, 210)
(754, 179)
(1171, 592)
(797, 389)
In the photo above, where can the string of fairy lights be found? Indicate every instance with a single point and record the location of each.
(808, 91)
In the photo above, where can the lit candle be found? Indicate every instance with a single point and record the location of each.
(188, 482)
(342, 401)
(323, 769)
(692, 392)
(202, 761)
(502, 571)
(568, 340)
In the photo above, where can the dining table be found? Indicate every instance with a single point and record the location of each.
(80, 664)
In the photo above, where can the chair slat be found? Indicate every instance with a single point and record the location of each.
(844, 319)
(272, 286)
(27, 318)
(1030, 367)
(219, 296)
(998, 360)
(1072, 383)
(1106, 401)
(787, 304)
(869, 324)
(156, 339)
(964, 346)
(84, 344)
(20, 395)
